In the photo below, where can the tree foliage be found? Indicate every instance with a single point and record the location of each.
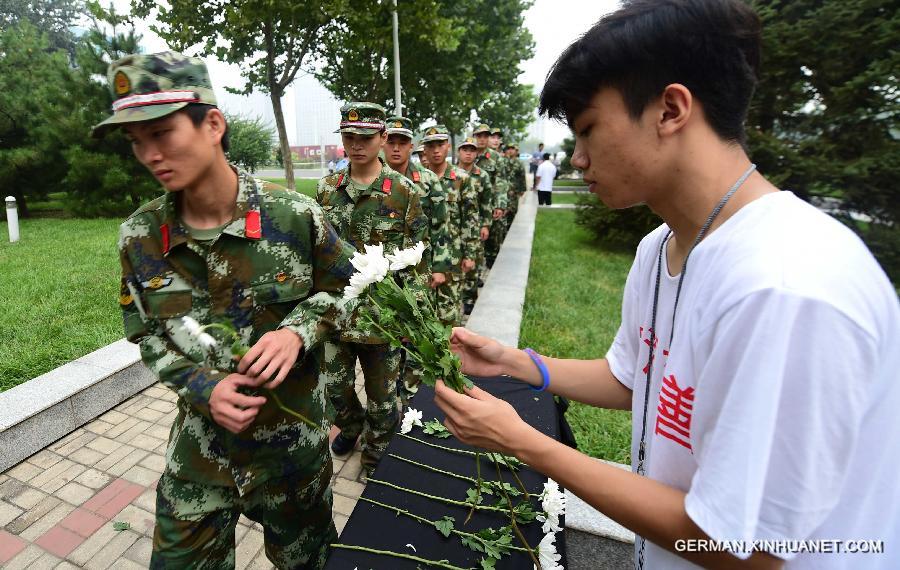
(824, 118)
(47, 108)
(269, 39)
(456, 58)
(251, 141)
(52, 17)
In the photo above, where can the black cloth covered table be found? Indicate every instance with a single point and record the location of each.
(379, 528)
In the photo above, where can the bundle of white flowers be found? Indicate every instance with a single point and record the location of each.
(403, 314)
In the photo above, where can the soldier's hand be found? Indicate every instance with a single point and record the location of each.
(485, 232)
(467, 265)
(270, 359)
(231, 409)
(498, 213)
(437, 279)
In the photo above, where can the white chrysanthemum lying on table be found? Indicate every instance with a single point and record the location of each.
(404, 312)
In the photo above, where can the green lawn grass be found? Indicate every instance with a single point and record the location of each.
(572, 310)
(569, 182)
(303, 185)
(58, 294)
(567, 197)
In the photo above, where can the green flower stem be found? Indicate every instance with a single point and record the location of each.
(516, 476)
(297, 415)
(435, 563)
(477, 487)
(510, 465)
(431, 307)
(438, 498)
(512, 519)
(423, 520)
(431, 468)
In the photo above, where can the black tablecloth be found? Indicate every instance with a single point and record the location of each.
(376, 527)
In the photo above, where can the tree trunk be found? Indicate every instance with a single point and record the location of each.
(283, 139)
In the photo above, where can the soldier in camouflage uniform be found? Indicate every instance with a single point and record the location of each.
(487, 161)
(496, 139)
(368, 203)
(433, 197)
(515, 174)
(463, 220)
(220, 247)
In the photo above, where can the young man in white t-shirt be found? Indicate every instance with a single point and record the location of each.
(543, 181)
(768, 407)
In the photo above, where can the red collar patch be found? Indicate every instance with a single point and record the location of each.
(452, 175)
(416, 176)
(252, 228)
(340, 179)
(386, 185)
(164, 232)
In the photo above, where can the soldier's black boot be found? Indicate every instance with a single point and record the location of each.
(342, 445)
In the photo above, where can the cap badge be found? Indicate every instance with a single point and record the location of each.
(352, 115)
(432, 131)
(122, 83)
(398, 124)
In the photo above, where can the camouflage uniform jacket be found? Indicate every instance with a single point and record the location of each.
(513, 172)
(484, 191)
(388, 211)
(461, 190)
(277, 264)
(487, 161)
(432, 196)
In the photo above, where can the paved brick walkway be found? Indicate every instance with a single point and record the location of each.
(58, 507)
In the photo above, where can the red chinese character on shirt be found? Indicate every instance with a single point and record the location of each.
(673, 418)
(655, 344)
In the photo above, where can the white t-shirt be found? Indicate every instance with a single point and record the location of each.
(777, 406)
(547, 172)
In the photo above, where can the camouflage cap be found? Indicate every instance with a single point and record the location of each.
(149, 86)
(420, 147)
(482, 128)
(436, 133)
(362, 118)
(468, 141)
(497, 131)
(398, 125)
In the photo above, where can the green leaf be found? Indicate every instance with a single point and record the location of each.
(120, 526)
(474, 497)
(489, 563)
(445, 525)
(436, 428)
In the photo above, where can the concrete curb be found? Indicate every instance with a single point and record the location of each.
(35, 414)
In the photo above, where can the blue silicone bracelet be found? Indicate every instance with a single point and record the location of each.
(542, 368)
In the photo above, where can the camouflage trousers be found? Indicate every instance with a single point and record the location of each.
(469, 291)
(376, 423)
(195, 522)
(495, 240)
(512, 209)
(447, 300)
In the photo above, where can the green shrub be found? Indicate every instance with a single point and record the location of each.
(615, 229)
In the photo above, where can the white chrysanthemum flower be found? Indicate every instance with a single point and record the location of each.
(409, 257)
(207, 340)
(370, 266)
(553, 503)
(191, 325)
(547, 554)
(412, 417)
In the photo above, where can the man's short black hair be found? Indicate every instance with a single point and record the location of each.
(197, 112)
(709, 46)
(546, 156)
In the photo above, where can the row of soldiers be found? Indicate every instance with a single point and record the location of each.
(223, 260)
(461, 211)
